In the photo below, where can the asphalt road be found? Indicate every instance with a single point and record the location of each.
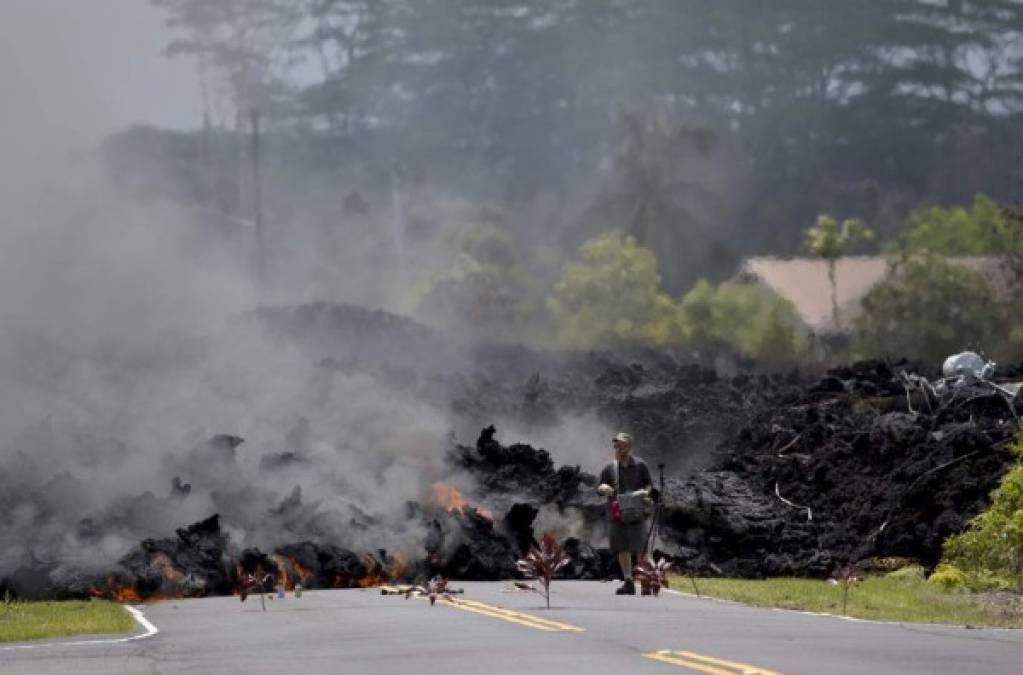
(497, 631)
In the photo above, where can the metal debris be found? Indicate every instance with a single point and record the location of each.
(966, 376)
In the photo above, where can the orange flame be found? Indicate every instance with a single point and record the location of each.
(397, 564)
(371, 581)
(125, 594)
(302, 573)
(167, 569)
(282, 571)
(119, 591)
(448, 497)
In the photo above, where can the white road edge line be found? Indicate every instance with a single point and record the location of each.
(838, 616)
(136, 614)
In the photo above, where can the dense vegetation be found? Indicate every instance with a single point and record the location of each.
(989, 554)
(472, 161)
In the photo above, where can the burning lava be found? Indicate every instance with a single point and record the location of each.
(448, 497)
(846, 444)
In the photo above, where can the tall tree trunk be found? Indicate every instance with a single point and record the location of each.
(832, 277)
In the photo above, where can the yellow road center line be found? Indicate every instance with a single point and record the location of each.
(505, 617)
(519, 615)
(667, 658)
(743, 668)
(707, 664)
(505, 614)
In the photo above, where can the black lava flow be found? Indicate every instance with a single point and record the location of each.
(768, 474)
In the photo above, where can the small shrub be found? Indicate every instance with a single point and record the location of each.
(948, 577)
(259, 581)
(542, 563)
(990, 552)
(432, 589)
(909, 573)
(846, 576)
(653, 574)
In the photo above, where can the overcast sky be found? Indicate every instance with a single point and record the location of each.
(72, 71)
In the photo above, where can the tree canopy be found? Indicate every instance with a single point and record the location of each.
(612, 296)
(838, 107)
(930, 308)
(957, 231)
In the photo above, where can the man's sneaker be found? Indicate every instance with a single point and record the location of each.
(628, 588)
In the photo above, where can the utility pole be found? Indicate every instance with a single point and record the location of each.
(257, 198)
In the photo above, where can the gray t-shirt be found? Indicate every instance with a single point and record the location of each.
(633, 476)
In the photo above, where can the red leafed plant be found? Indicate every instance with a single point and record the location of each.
(542, 563)
(653, 574)
(845, 576)
(255, 582)
(437, 586)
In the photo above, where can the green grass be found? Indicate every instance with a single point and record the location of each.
(881, 598)
(21, 621)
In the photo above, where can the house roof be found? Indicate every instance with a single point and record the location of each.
(804, 282)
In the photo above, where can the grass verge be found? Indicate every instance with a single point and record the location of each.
(879, 598)
(20, 621)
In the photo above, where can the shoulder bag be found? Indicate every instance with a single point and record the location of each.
(631, 507)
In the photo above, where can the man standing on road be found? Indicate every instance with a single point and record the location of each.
(625, 475)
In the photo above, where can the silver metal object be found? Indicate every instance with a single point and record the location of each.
(969, 365)
(966, 376)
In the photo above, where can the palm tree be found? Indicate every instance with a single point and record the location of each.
(831, 240)
(659, 195)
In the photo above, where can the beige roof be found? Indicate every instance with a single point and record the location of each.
(804, 283)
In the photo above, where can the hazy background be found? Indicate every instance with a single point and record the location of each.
(74, 72)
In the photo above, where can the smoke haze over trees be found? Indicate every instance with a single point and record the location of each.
(863, 109)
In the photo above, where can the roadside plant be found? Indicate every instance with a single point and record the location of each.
(542, 563)
(988, 554)
(845, 576)
(432, 589)
(653, 574)
(255, 582)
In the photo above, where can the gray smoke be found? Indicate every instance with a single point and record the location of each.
(132, 364)
(126, 346)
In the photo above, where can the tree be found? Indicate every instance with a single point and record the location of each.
(612, 296)
(751, 318)
(957, 231)
(661, 197)
(484, 292)
(248, 42)
(929, 308)
(830, 240)
(350, 40)
(1011, 240)
(808, 102)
